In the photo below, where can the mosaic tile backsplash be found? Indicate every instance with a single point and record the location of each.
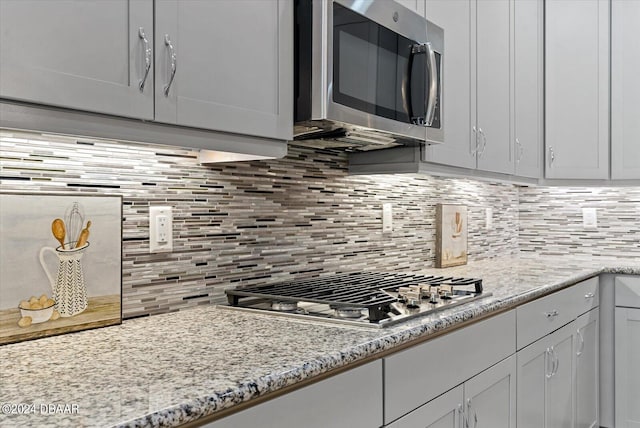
(551, 221)
(254, 222)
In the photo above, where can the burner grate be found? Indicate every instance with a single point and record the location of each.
(367, 290)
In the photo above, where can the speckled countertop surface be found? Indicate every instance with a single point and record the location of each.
(169, 369)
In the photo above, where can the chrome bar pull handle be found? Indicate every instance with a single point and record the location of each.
(460, 416)
(432, 91)
(581, 347)
(589, 295)
(556, 362)
(484, 142)
(174, 64)
(552, 156)
(553, 313)
(520, 149)
(547, 358)
(468, 415)
(147, 58)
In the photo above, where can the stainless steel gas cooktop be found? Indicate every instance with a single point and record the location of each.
(370, 299)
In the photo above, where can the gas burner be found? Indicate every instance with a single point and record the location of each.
(350, 313)
(367, 298)
(284, 306)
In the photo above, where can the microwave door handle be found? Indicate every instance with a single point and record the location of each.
(432, 88)
(406, 86)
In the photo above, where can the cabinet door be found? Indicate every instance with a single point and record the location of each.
(627, 377)
(350, 399)
(559, 401)
(493, 85)
(625, 89)
(442, 412)
(577, 82)
(528, 86)
(459, 144)
(490, 397)
(80, 54)
(466, 349)
(233, 65)
(545, 381)
(587, 384)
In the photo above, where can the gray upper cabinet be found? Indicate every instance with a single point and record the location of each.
(577, 89)
(226, 65)
(527, 63)
(625, 89)
(87, 55)
(493, 85)
(415, 5)
(458, 148)
(157, 71)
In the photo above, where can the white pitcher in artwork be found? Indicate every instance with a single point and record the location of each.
(69, 290)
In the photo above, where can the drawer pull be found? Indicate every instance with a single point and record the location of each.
(589, 295)
(553, 313)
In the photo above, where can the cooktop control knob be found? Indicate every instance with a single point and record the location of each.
(434, 295)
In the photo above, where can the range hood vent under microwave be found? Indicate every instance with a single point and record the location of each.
(329, 135)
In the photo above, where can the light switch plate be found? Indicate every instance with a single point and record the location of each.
(488, 224)
(589, 218)
(387, 217)
(160, 229)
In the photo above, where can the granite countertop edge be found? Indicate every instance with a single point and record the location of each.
(209, 405)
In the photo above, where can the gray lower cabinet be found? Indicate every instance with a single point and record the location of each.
(414, 377)
(487, 399)
(446, 411)
(627, 352)
(87, 55)
(577, 89)
(587, 379)
(625, 89)
(490, 397)
(226, 65)
(558, 359)
(545, 372)
(351, 399)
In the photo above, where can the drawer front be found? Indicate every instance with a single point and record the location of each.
(419, 374)
(542, 316)
(628, 291)
(586, 295)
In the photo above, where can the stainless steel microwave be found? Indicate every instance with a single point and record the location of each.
(367, 67)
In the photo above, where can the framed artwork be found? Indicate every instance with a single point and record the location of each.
(451, 235)
(60, 264)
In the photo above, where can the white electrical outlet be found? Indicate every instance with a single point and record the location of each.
(488, 222)
(387, 218)
(160, 229)
(589, 218)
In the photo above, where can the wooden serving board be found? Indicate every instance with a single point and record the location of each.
(102, 311)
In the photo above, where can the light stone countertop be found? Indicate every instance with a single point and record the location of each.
(170, 369)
